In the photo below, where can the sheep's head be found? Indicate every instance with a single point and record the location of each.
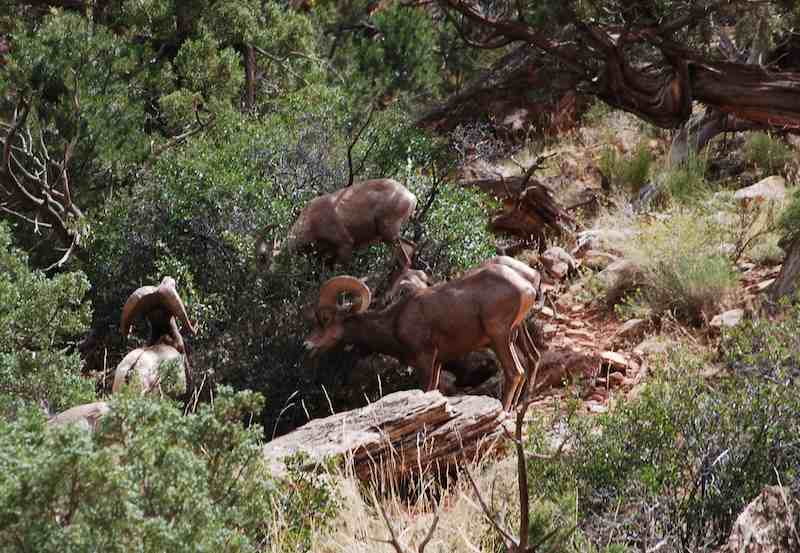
(161, 305)
(330, 315)
(408, 282)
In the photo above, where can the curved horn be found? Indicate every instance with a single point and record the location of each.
(147, 298)
(141, 301)
(170, 298)
(333, 287)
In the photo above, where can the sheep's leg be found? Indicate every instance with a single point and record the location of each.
(403, 247)
(522, 381)
(513, 373)
(429, 369)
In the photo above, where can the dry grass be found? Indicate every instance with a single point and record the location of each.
(360, 528)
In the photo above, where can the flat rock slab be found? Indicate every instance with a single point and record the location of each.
(402, 433)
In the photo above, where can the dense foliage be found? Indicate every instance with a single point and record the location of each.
(179, 151)
(40, 320)
(680, 462)
(152, 479)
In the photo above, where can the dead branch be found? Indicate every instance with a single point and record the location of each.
(393, 540)
(353, 143)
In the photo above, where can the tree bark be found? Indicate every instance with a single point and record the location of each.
(785, 284)
(249, 77)
(661, 91)
(529, 208)
(520, 92)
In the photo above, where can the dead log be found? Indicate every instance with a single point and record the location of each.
(402, 434)
(529, 207)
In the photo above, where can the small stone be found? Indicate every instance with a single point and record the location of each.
(558, 269)
(578, 333)
(614, 359)
(558, 261)
(653, 346)
(728, 319)
(633, 329)
(595, 259)
(616, 378)
(547, 312)
(599, 398)
(549, 329)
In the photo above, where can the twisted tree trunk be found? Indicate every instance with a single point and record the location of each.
(785, 284)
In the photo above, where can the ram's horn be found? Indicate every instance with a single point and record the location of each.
(147, 298)
(330, 291)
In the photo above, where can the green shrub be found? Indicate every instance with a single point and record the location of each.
(596, 113)
(152, 479)
(683, 268)
(40, 319)
(677, 464)
(686, 182)
(766, 152)
(629, 171)
(762, 347)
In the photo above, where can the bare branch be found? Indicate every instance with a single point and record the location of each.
(504, 533)
(353, 143)
(424, 543)
(393, 537)
(65, 258)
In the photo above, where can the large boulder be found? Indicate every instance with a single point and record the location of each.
(771, 188)
(620, 278)
(86, 416)
(400, 434)
(769, 524)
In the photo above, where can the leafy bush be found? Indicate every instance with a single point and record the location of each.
(766, 152)
(677, 464)
(152, 479)
(684, 268)
(40, 318)
(766, 348)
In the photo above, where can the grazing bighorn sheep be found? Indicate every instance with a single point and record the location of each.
(348, 219)
(160, 305)
(432, 325)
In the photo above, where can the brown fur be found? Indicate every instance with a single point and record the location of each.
(348, 219)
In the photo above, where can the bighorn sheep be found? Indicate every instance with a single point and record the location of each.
(348, 219)
(160, 305)
(432, 325)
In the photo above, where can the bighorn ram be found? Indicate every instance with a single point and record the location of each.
(432, 325)
(160, 305)
(348, 219)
